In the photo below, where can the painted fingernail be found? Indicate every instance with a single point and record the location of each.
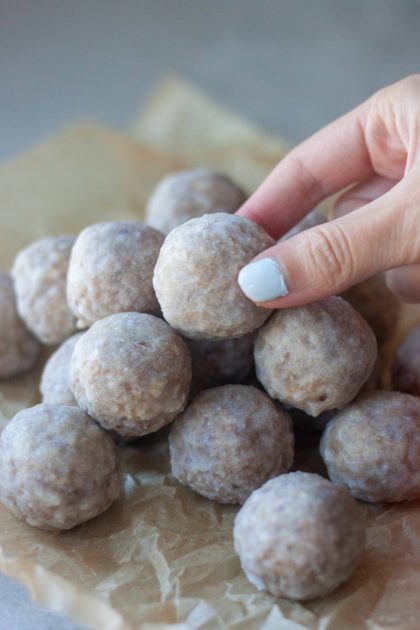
(263, 280)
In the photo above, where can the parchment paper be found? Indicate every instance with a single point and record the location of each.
(180, 120)
(162, 556)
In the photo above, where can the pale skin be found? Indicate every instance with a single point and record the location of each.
(374, 150)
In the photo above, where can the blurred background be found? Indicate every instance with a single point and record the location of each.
(289, 65)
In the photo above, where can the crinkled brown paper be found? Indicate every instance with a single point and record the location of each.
(162, 556)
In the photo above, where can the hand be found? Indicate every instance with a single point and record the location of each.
(376, 149)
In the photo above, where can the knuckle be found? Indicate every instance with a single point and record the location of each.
(410, 83)
(328, 257)
(406, 86)
(390, 99)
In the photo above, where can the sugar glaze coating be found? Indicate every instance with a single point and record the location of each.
(55, 377)
(40, 275)
(229, 441)
(57, 467)
(187, 195)
(372, 447)
(19, 349)
(131, 373)
(196, 274)
(299, 536)
(315, 357)
(111, 270)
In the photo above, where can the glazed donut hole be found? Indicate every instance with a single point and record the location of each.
(315, 357)
(195, 277)
(40, 274)
(19, 349)
(299, 536)
(187, 195)
(229, 441)
(131, 373)
(57, 467)
(372, 447)
(111, 269)
(55, 377)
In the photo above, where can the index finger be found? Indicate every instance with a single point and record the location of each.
(331, 159)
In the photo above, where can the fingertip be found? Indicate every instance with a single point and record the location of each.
(263, 280)
(248, 211)
(266, 280)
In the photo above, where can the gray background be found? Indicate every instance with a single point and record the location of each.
(291, 65)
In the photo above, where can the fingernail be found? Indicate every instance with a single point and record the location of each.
(263, 280)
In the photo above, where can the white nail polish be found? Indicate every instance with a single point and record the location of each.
(262, 280)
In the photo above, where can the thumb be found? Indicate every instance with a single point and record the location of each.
(331, 257)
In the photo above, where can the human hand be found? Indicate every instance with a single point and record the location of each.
(376, 149)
